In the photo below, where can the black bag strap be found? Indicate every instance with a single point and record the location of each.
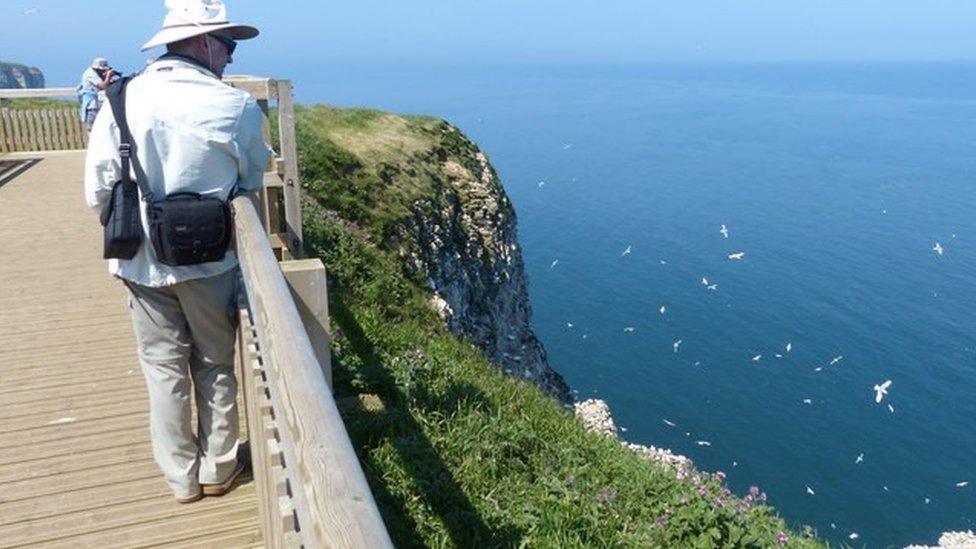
(127, 149)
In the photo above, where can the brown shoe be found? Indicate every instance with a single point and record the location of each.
(225, 486)
(195, 497)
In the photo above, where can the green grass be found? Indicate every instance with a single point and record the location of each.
(41, 104)
(459, 455)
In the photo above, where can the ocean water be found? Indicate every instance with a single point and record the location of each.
(835, 180)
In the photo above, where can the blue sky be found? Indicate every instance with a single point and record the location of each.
(62, 36)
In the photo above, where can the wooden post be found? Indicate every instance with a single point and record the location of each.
(293, 205)
(307, 282)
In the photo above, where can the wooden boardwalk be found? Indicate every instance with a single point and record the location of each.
(76, 466)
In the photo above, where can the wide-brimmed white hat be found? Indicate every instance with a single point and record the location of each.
(187, 18)
(100, 63)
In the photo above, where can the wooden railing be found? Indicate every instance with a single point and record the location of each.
(311, 488)
(53, 129)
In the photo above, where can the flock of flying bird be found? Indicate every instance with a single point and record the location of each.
(880, 389)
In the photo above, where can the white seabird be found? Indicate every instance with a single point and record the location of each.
(737, 255)
(757, 358)
(703, 443)
(836, 359)
(669, 423)
(938, 248)
(808, 401)
(553, 264)
(569, 325)
(860, 458)
(712, 287)
(704, 281)
(626, 252)
(789, 347)
(810, 491)
(724, 231)
(629, 329)
(542, 184)
(662, 309)
(962, 484)
(676, 344)
(881, 390)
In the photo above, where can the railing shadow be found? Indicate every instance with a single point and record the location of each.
(394, 424)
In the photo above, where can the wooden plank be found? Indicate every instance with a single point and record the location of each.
(258, 87)
(308, 284)
(47, 119)
(4, 147)
(15, 119)
(74, 129)
(332, 499)
(34, 119)
(293, 205)
(61, 119)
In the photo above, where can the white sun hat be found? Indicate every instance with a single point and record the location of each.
(100, 63)
(187, 18)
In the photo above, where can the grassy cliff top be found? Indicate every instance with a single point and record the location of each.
(456, 453)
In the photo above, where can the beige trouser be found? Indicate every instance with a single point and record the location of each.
(186, 332)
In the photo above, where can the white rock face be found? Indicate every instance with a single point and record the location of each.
(464, 244)
(595, 415)
(952, 540)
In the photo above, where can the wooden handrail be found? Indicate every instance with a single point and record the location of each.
(332, 501)
(36, 93)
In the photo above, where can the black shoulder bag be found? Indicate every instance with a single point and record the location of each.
(185, 228)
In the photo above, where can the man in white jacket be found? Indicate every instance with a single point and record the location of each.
(192, 133)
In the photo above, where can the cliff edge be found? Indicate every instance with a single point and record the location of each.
(427, 193)
(14, 75)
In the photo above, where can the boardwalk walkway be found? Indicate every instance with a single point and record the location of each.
(76, 466)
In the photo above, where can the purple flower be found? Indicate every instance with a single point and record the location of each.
(782, 538)
(719, 502)
(726, 492)
(680, 474)
(702, 491)
(720, 475)
(754, 491)
(762, 497)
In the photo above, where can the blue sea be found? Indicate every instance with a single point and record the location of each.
(836, 181)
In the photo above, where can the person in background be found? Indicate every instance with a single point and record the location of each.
(191, 133)
(91, 92)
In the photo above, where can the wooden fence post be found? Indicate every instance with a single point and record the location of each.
(286, 133)
(307, 282)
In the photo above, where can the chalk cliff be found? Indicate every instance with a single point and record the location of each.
(13, 75)
(429, 194)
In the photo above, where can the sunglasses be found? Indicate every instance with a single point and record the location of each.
(229, 44)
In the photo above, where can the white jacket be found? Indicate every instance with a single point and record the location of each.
(192, 133)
